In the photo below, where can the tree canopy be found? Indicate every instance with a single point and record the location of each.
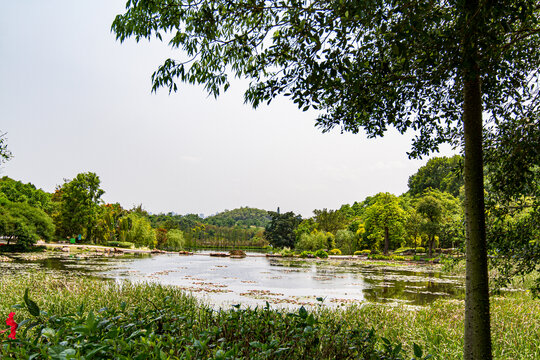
(280, 232)
(442, 173)
(79, 201)
(16, 191)
(433, 67)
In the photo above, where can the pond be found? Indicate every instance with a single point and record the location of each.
(255, 280)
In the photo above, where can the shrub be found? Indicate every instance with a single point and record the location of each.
(334, 252)
(402, 250)
(398, 258)
(120, 244)
(363, 252)
(307, 254)
(420, 249)
(321, 254)
(286, 252)
(379, 257)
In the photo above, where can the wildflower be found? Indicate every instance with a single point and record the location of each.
(11, 323)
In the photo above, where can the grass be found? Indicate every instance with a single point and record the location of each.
(150, 321)
(438, 328)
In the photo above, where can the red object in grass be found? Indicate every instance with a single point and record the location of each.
(11, 323)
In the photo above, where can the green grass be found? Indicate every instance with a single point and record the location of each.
(438, 328)
(93, 319)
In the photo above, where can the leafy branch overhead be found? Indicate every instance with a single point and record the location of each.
(363, 65)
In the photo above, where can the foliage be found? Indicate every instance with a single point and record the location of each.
(363, 252)
(347, 241)
(121, 244)
(315, 241)
(441, 173)
(437, 328)
(286, 252)
(321, 254)
(441, 218)
(433, 67)
(244, 217)
(280, 231)
(24, 224)
(201, 233)
(141, 232)
(175, 240)
(16, 191)
(178, 330)
(330, 220)
(334, 252)
(513, 198)
(514, 241)
(112, 224)
(307, 254)
(307, 226)
(5, 154)
(79, 201)
(398, 257)
(384, 221)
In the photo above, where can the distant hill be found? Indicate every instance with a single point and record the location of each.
(244, 217)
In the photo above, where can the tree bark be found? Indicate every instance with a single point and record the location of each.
(477, 341)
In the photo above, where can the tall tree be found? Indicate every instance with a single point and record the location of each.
(430, 66)
(440, 173)
(440, 213)
(280, 232)
(330, 220)
(384, 219)
(79, 206)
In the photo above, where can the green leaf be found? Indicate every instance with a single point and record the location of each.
(302, 312)
(417, 350)
(32, 307)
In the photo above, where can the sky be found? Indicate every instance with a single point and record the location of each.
(73, 99)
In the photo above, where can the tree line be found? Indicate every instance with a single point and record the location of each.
(75, 210)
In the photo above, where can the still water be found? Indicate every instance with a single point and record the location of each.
(256, 280)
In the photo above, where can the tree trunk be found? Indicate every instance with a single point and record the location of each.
(386, 240)
(431, 240)
(477, 321)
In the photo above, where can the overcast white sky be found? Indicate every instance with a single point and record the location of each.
(72, 100)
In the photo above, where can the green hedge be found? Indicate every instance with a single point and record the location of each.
(121, 244)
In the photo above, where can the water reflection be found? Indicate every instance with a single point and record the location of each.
(255, 280)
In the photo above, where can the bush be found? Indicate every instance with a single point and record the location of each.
(403, 249)
(363, 252)
(398, 258)
(420, 250)
(321, 254)
(379, 257)
(286, 252)
(120, 244)
(307, 254)
(334, 252)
